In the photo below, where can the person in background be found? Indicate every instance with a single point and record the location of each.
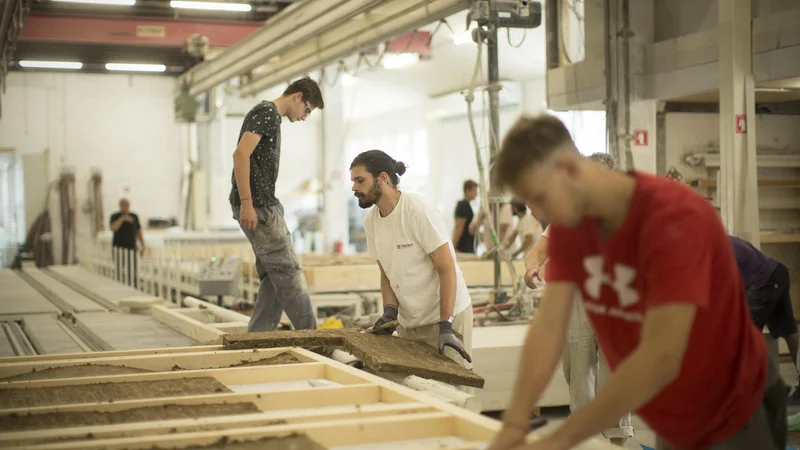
(127, 230)
(528, 229)
(463, 237)
(505, 219)
(260, 213)
(766, 284)
(421, 284)
(653, 267)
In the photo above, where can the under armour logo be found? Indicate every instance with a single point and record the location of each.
(623, 277)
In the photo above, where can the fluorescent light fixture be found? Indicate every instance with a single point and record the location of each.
(464, 37)
(102, 2)
(211, 6)
(124, 67)
(399, 60)
(772, 90)
(51, 65)
(348, 80)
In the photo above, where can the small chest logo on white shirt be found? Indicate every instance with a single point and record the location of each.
(623, 277)
(402, 246)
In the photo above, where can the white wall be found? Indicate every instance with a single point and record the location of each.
(122, 124)
(690, 133)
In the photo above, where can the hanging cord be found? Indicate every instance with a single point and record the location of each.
(470, 97)
(508, 36)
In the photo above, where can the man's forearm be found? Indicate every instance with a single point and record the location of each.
(636, 381)
(538, 254)
(241, 169)
(387, 294)
(115, 225)
(540, 355)
(447, 293)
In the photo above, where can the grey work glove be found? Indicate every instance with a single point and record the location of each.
(389, 314)
(448, 338)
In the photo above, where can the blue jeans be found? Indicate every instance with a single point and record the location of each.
(283, 284)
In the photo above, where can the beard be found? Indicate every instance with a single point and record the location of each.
(370, 198)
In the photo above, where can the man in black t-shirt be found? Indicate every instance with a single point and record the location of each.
(260, 214)
(127, 230)
(463, 240)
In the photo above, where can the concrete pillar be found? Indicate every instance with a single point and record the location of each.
(334, 175)
(738, 190)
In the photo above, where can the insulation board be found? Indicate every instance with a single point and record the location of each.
(83, 279)
(49, 334)
(72, 298)
(18, 297)
(132, 331)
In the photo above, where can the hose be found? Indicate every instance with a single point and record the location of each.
(484, 192)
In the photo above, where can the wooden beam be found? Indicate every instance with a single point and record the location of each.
(230, 327)
(212, 423)
(161, 362)
(265, 401)
(231, 376)
(114, 353)
(186, 325)
(329, 433)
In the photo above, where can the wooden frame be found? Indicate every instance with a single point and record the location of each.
(354, 408)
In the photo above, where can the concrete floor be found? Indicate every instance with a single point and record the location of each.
(643, 435)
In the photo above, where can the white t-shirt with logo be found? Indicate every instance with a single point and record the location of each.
(402, 242)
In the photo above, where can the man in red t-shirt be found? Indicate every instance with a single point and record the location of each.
(655, 271)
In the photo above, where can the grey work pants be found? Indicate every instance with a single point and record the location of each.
(586, 369)
(283, 284)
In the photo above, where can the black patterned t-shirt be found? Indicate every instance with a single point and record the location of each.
(264, 120)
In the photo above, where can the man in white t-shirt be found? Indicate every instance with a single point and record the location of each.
(528, 229)
(584, 366)
(421, 285)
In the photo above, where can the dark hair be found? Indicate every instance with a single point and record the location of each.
(310, 90)
(529, 141)
(469, 184)
(519, 205)
(377, 161)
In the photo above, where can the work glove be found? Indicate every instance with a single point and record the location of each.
(389, 314)
(448, 338)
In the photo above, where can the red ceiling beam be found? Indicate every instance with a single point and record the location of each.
(131, 30)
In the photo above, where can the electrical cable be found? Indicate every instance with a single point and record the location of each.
(469, 98)
(508, 36)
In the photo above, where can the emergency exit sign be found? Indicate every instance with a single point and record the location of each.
(741, 123)
(640, 137)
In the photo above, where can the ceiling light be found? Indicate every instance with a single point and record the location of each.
(102, 2)
(348, 80)
(136, 67)
(464, 37)
(772, 90)
(213, 6)
(51, 65)
(399, 60)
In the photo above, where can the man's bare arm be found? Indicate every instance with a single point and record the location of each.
(241, 162)
(544, 344)
(140, 237)
(387, 294)
(115, 225)
(654, 364)
(537, 256)
(527, 243)
(445, 267)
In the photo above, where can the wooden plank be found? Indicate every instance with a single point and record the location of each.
(18, 297)
(160, 362)
(230, 327)
(328, 433)
(113, 353)
(379, 353)
(49, 334)
(227, 376)
(130, 331)
(265, 401)
(212, 423)
(186, 325)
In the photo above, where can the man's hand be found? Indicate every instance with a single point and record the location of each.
(508, 439)
(532, 276)
(247, 216)
(389, 314)
(127, 218)
(141, 250)
(545, 443)
(447, 338)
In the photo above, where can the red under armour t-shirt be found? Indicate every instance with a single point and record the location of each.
(671, 247)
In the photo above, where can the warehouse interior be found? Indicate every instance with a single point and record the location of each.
(142, 102)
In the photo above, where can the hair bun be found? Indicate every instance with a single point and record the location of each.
(399, 167)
